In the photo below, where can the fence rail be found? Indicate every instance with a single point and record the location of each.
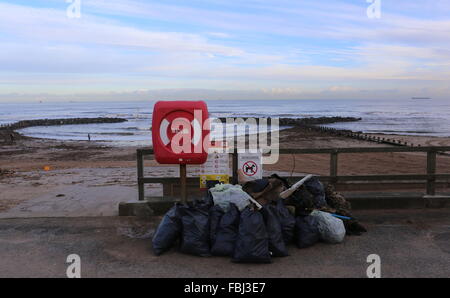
(430, 177)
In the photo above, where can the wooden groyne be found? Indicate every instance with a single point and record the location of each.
(360, 136)
(317, 124)
(53, 122)
(369, 138)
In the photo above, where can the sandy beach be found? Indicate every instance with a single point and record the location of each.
(49, 170)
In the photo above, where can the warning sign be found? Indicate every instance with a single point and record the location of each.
(250, 164)
(216, 168)
(221, 178)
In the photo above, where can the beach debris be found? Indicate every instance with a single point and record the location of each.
(226, 234)
(264, 190)
(341, 217)
(236, 223)
(215, 215)
(338, 205)
(331, 229)
(224, 194)
(287, 221)
(337, 201)
(300, 200)
(304, 196)
(252, 244)
(317, 190)
(277, 245)
(195, 229)
(287, 193)
(307, 231)
(168, 231)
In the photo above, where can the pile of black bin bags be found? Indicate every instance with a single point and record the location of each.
(251, 236)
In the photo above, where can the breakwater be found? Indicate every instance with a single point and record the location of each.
(302, 121)
(317, 124)
(361, 136)
(52, 122)
(8, 131)
(316, 120)
(366, 137)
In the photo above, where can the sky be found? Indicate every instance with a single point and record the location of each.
(223, 49)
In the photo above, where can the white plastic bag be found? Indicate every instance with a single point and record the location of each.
(331, 229)
(224, 194)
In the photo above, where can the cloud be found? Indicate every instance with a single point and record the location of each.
(50, 25)
(262, 48)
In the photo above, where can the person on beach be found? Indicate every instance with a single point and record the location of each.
(11, 136)
(89, 137)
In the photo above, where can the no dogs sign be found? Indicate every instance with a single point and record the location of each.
(250, 164)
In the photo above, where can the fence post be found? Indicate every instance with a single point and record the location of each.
(431, 171)
(140, 174)
(333, 166)
(234, 166)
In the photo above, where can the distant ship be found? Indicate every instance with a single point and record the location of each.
(420, 97)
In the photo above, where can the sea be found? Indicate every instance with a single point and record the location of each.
(425, 117)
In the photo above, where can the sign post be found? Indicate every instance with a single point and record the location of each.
(180, 130)
(183, 183)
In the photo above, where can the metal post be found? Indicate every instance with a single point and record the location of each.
(140, 174)
(431, 170)
(183, 184)
(333, 166)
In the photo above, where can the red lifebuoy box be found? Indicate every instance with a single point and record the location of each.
(180, 132)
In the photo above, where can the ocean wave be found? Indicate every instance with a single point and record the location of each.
(134, 128)
(114, 133)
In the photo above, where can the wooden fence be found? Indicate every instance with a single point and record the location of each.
(430, 177)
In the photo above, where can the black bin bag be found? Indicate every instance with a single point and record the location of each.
(315, 187)
(252, 245)
(307, 232)
(215, 214)
(208, 199)
(227, 233)
(277, 246)
(168, 231)
(195, 230)
(287, 221)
